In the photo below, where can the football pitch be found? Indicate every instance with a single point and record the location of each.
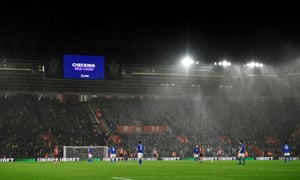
(151, 170)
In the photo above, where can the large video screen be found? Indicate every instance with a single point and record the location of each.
(83, 67)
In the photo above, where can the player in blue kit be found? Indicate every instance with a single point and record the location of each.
(140, 152)
(113, 152)
(196, 153)
(286, 152)
(90, 154)
(241, 153)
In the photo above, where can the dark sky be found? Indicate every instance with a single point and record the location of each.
(153, 33)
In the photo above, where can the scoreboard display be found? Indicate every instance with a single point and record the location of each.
(84, 67)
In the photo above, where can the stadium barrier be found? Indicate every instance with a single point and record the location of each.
(60, 159)
(147, 159)
(74, 159)
(292, 158)
(272, 158)
(264, 158)
(170, 158)
(6, 160)
(26, 160)
(130, 159)
(215, 158)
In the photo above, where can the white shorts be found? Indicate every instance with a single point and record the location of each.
(286, 154)
(196, 155)
(90, 156)
(241, 155)
(140, 155)
(113, 156)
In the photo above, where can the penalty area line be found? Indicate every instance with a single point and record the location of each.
(121, 178)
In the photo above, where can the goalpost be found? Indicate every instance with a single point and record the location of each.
(81, 152)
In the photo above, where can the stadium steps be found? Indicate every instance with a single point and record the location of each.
(257, 151)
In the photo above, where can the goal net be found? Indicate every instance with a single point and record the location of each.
(81, 152)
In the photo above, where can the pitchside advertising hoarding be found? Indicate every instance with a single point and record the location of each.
(83, 67)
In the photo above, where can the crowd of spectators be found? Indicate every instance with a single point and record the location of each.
(30, 126)
(214, 122)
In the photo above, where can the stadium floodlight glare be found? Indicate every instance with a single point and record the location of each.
(223, 63)
(253, 64)
(187, 61)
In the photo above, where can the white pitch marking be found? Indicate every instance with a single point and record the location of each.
(121, 178)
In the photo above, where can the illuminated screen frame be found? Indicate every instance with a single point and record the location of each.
(84, 67)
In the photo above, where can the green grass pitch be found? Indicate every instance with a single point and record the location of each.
(151, 170)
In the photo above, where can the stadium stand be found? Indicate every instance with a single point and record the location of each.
(205, 107)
